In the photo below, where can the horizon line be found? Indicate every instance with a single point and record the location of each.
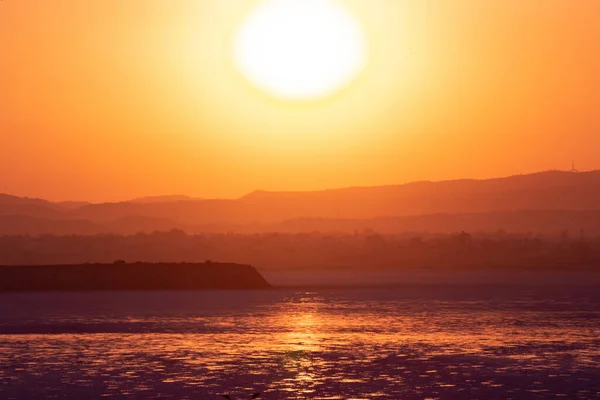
(139, 199)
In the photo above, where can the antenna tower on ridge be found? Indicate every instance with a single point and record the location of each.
(573, 169)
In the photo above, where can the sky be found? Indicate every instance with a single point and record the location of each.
(110, 100)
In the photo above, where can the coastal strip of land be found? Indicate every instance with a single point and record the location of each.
(131, 276)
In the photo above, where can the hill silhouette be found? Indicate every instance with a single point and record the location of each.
(137, 276)
(7, 199)
(162, 199)
(563, 196)
(26, 225)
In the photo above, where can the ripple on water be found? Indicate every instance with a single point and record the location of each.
(326, 345)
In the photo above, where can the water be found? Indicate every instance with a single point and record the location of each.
(412, 342)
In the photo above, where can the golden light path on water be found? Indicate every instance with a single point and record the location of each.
(298, 345)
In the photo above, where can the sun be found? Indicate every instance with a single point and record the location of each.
(300, 49)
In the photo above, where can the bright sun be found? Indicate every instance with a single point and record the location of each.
(300, 49)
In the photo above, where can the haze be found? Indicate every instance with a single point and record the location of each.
(293, 199)
(114, 100)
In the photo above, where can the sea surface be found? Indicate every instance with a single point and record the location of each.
(407, 342)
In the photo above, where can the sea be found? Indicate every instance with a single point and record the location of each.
(412, 341)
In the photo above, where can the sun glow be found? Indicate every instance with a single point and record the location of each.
(300, 49)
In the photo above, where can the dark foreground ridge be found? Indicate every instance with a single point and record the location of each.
(137, 276)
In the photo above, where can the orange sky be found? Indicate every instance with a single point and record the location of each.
(109, 100)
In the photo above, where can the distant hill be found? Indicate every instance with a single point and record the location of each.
(134, 224)
(564, 196)
(72, 205)
(28, 225)
(162, 199)
(546, 222)
(32, 210)
(553, 190)
(9, 199)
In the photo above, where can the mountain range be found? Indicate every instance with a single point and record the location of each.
(544, 202)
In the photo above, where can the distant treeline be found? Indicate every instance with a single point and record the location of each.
(547, 222)
(366, 249)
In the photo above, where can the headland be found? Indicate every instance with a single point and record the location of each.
(121, 276)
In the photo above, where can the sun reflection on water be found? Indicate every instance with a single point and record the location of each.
(305, 322)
